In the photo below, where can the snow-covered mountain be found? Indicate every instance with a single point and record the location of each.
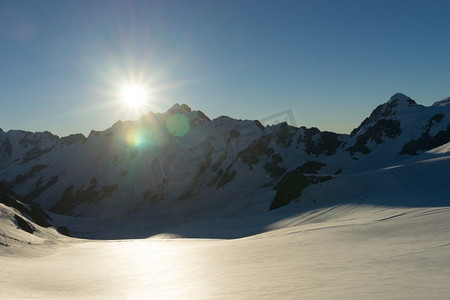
(22, 223)
(181, 166)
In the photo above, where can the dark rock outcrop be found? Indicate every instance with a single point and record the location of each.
(33, 210)
(317, 142)
(71, 198)
(426, 142)
(383, 128)
(294, 182)
(72, 139)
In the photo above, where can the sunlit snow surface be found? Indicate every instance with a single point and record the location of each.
(342, 252)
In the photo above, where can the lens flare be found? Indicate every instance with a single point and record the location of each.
(140, 138)
(178, 125)
(133, 139)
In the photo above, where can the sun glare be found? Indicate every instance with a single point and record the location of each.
(134, 96)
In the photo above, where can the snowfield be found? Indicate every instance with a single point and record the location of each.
(342, 252)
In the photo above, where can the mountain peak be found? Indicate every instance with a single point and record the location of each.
(396, 103)
(179, 108)
(398, 96)
(401, 101)
(194, 117)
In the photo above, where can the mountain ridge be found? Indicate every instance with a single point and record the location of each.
(181, 165)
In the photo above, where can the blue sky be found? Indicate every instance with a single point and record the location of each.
(330, 62)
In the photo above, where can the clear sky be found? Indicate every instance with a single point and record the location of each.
(63, 63)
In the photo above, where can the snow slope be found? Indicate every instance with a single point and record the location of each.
(343, 252)
(23, 224)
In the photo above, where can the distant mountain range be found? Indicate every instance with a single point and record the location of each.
(181, 166)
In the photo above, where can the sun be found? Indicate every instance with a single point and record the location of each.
(134, 96)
